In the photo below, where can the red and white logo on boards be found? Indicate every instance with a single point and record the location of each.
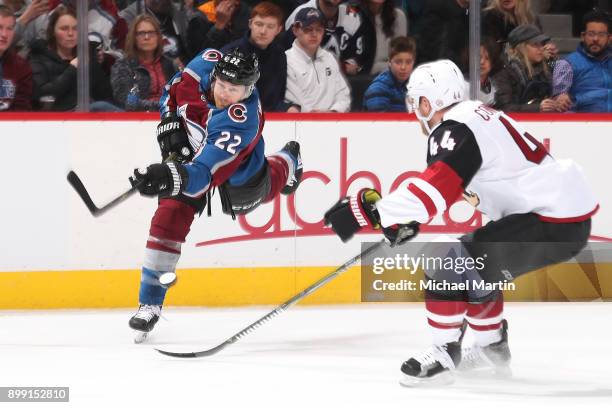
(237, 113)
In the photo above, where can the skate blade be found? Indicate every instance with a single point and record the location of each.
(140, 337)
(444, 378)
(489, 373)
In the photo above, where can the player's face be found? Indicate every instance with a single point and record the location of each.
(264, 30)
(535, 52)
(401, 65)
(226, 93)
(146, 37)
(66, 32)
(596, 38)
(7, 32)
(485, 63)
(310, 37)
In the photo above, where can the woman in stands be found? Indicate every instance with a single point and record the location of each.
(139, 78)
(383, 21)
(54, 66)
(525, 83)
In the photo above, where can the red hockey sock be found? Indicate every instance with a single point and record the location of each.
(279, 174)
(445, 319)
(485, 320)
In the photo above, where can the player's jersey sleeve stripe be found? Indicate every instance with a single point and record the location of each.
(429, 195)
(445, 181)
(192, 74)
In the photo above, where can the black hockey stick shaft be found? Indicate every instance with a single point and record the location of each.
(96, 211)
(278, 310)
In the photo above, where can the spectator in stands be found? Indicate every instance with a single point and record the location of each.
(382, 22)
(172, 21)
(139, 78)
(314, 80)
(502, 16)
(444, 32)
(265, 24)
(524, 84)
(387, 93)
(15, 72)
(287, 5)
(32, 17)
(490, 64)
(583, 81)
(54, 66)
(218, 23)
(344, 32)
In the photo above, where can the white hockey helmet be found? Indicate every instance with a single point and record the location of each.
(441, 82)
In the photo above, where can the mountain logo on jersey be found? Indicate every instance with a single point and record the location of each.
(237, 112)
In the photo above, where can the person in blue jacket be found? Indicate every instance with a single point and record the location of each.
(387, 92)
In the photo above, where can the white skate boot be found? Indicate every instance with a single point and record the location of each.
(433, 367)
(493, 359)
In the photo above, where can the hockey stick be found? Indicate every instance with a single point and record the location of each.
(279, 309)
(96, 211)
(78, 186)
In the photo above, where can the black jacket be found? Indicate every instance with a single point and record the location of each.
(516, 92)
(202, 34)
(55, 77)
(272, 81)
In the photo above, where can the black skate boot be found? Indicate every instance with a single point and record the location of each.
(293, 149)
(433, 367)
(144, 321)
(493, 359)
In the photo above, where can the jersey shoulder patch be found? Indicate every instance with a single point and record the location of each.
(237, 112)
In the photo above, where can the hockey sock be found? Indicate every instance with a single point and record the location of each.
(281, 167)
(445, 319)
(485, 319)
(169, 227)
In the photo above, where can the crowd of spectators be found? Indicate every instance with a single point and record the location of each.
(314, 55)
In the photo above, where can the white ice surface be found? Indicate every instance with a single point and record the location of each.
(310, 356)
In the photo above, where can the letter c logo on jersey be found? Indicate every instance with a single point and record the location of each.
(212, 55)
(237, 113)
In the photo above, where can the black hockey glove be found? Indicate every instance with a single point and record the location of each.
(172, 138)
(162, 179)
(351, 214)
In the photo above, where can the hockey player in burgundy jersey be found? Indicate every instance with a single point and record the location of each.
(540, 209)
(210, 136)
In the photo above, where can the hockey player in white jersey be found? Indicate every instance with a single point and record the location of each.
(540, 208)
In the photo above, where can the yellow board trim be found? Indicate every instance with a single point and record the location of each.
(260, 286)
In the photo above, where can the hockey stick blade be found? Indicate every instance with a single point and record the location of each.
(78, 186)
(252, 327)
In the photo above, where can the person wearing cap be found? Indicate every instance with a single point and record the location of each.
(583, 80)
(524, 84)
(344, 34)
(314, 80)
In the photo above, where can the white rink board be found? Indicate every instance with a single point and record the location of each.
(46, 226)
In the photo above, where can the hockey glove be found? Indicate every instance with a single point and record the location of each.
(163, 179)
(351, 214)
(172, 138)
(397, 234)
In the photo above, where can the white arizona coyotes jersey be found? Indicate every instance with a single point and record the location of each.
(484, 152)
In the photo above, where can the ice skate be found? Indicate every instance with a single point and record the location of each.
(144, 321)
(493, 359)
(293, 149)
(433, 367)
